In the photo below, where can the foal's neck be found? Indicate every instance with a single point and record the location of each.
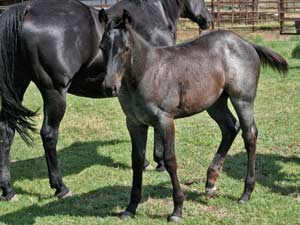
(141, 52)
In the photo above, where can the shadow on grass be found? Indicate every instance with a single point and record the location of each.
(73, 159)
(294, 68)
(99, 203)
(269, 171)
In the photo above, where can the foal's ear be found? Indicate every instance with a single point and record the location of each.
(102, 16)
(127, 19)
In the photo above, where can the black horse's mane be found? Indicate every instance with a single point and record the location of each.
(150, 14)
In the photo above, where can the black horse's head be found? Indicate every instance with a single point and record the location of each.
(116, 48)
(196, 11)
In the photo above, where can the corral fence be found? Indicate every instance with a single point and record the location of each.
(235, 14)
(257, 14)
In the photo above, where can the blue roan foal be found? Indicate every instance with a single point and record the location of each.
(157, 85)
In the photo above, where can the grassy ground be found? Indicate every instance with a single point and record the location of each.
(94, 152)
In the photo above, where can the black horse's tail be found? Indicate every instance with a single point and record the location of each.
(274, 60)
(12, 112)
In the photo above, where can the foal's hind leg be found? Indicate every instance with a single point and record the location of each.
(229, 127)
(6, 137)
(244, 110)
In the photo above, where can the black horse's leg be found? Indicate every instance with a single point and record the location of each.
(244, 110)
(6, 137)
(54, 110)
(158, 153)
(138, 135)
(229, 127)
(167, 132)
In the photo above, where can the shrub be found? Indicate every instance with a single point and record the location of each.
(296, 52)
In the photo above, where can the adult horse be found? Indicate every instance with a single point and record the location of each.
(54, 44)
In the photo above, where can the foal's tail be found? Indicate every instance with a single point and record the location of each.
(274, 60)
(11, 110)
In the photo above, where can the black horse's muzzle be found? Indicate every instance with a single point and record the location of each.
(204, 23)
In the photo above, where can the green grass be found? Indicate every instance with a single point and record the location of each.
(94, 154)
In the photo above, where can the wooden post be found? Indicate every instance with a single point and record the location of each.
(254, 14)
(281, 14)
(232, 12)
(213, 14)
(247, 15)
(218, 14)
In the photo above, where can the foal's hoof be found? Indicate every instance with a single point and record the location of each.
(9, 197)
(210, 193)
(63, 194)
(126, 215)
(160, 168)
(174, 219)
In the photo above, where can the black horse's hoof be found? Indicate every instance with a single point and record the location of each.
(210, 193)
(126, 215)
(65, 193)
(11, 196)
(146, 164)
(160, 168)
(174, 219)
(244, 199)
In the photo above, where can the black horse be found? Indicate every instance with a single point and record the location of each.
(157, 85)
(55, 44)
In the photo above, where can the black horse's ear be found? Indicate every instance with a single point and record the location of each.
(127, 19)
(102, 16)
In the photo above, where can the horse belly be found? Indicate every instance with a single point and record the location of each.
(199, 97)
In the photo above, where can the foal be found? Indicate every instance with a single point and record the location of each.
(157, 85)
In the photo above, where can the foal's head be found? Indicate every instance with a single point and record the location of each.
(116, 48)
(196, 11)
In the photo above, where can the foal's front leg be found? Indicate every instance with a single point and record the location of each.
(138, 134)
(167, 131)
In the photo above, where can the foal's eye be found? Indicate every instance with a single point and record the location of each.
(127, 49)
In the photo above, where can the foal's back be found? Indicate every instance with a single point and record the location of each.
(200, 70)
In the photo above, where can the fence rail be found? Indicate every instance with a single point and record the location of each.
(256, 14)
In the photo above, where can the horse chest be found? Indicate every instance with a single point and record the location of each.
(136, 109)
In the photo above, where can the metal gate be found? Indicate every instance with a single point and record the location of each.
(289, 16)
